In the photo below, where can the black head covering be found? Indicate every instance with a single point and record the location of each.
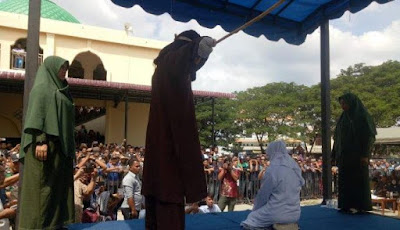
(357, 110)
(181, 40)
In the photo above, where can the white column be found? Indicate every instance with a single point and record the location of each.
(5, 55)
(50, 44)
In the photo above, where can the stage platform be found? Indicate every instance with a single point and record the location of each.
(312, 217)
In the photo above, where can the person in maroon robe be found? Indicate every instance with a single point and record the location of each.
(173, 171)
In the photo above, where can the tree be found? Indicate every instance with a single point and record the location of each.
(279, 110)
(377, 86)
(310, 116)
(270, 111)
(225, 129)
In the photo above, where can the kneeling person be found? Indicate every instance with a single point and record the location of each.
(278, 201)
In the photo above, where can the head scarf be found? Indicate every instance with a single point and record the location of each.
(50, 108)
(181, 40)
(357, 110)
(278, 156)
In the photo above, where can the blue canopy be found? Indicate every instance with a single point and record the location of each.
(292, 20)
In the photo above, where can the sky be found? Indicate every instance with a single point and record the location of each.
(371, 36)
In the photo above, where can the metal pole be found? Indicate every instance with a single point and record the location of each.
(212, 121)
(325, 114)
(31, 66)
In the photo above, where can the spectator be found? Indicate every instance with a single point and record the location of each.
(3, 147)
(229, 189)
(192, 208)
(84, 186)
(132, 185)
(210, 207)
(208, 169)
(12, 177)
(6, 212)
(236, 164)
(113, 172)
(264, 169)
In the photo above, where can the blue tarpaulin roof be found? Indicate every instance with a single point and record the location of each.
(291, 21)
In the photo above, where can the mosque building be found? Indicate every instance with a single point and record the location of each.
(110, 71)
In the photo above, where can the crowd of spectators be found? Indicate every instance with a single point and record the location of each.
(385, 177)
(106, 173)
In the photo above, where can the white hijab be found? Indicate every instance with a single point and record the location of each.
(278, 155)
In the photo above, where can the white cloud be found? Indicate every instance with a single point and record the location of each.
(107, 9)
(243, 61)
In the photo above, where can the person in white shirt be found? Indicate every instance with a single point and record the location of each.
(210, 207)
(278, 200)
(133, 198)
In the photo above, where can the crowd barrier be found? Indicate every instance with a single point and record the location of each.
(249, 184)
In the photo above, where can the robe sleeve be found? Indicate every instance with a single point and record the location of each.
(41, 138)
(268, 184)
(365, 138)
(181, 62)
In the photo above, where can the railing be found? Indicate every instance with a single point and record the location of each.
(18, 59)
(249, 184)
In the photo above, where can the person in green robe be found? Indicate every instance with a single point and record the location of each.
(47, 151)
(353, 138)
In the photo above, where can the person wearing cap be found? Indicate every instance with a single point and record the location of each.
(48, 150)
(206, 154)
(113, 171)
(172, 134)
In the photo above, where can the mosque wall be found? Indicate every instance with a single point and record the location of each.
(126, 59)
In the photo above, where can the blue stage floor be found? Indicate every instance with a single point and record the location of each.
(312, 217)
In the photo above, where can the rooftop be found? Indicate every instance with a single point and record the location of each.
(49, 10)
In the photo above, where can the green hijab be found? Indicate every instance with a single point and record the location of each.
(356, 122)
(50, 108)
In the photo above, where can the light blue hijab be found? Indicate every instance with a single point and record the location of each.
(278, 155)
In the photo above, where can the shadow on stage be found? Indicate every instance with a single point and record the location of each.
(312, 217)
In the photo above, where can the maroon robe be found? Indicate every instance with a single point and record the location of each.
(173, 166)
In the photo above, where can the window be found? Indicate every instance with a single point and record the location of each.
(18, 55)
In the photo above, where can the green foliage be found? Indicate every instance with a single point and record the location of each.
(289, 110)
(225, 128)
(271, 110)
(378, 88)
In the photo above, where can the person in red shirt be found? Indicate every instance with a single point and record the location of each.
(229, 190)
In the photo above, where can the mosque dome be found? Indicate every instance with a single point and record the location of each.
(49, 10)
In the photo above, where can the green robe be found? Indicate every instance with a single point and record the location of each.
(47, 194)
(354, 136)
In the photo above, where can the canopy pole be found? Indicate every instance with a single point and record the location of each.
(326, 114)
(249, 23)
(32, 48)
